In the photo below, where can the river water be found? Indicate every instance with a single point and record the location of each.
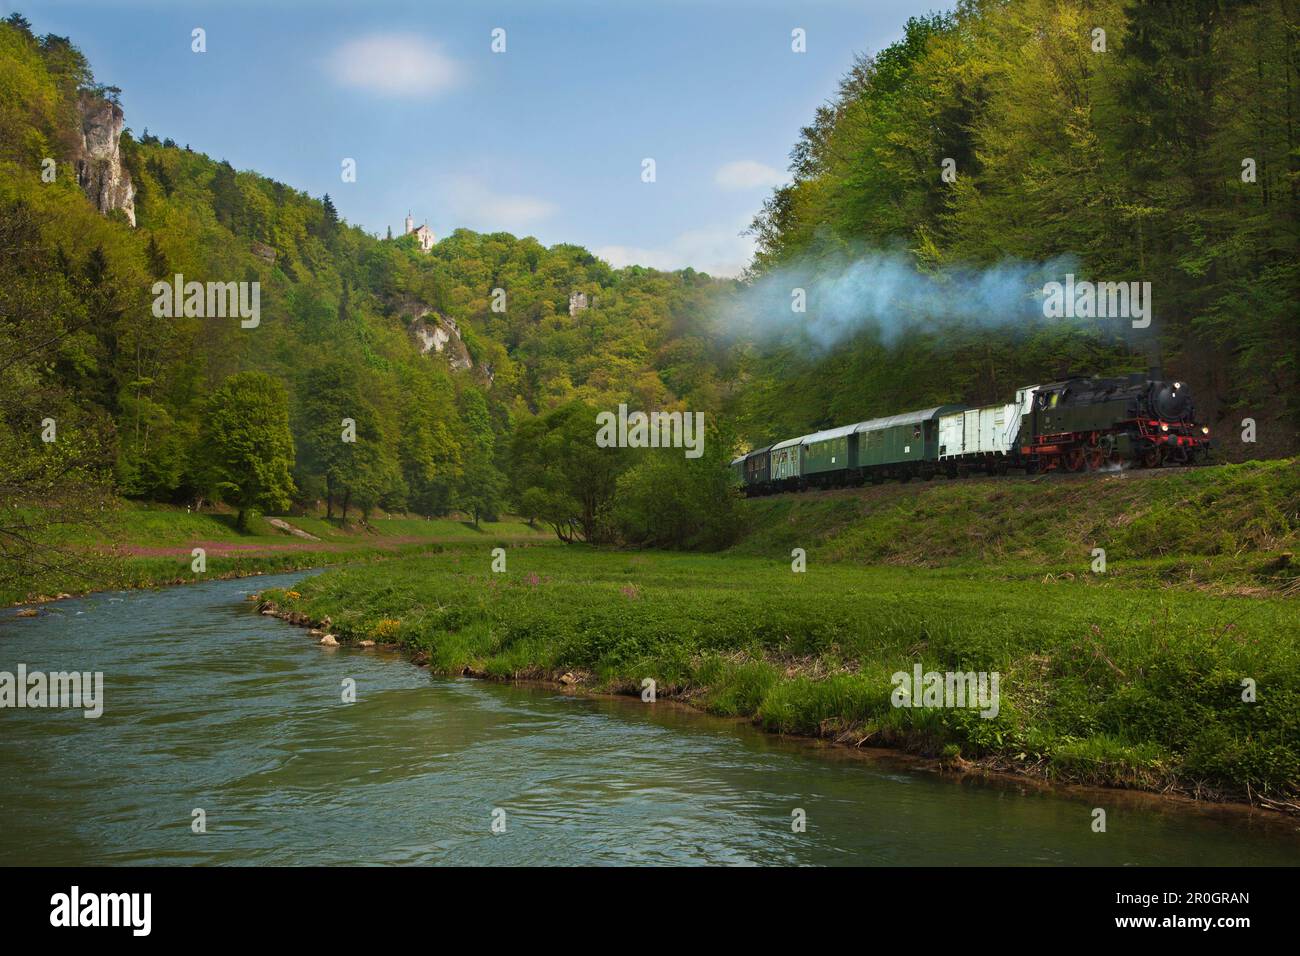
(209, 706)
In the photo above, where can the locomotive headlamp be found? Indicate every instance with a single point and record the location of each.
(1205, 429)
(1177, 386)
(1164, 428)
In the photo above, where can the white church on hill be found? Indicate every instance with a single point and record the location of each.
(424, 235)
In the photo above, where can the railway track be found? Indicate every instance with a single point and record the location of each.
(1050, 477)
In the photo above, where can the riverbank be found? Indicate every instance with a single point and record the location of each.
(1101, 684)
(210, 706)
(143, 546)
(1136, 675)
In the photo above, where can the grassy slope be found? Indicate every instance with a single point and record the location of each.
(166, 535)
(1105, 679)
(1229, 527)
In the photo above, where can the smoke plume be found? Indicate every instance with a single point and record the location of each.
(885, 292)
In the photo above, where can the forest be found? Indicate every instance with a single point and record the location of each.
(1143, 140)
(193, 410)
(1138, 141)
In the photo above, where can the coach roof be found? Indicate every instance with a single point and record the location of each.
(828, 434)
(907, 418)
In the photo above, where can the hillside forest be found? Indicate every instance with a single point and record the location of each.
(1163, 151)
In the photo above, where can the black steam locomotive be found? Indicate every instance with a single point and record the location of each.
(1084, 423)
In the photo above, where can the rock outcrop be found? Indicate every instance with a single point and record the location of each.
(263, 251)
(98, 160)
(438, 333)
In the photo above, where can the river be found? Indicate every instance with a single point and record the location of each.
(209, 706)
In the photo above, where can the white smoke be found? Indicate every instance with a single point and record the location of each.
(885, 291)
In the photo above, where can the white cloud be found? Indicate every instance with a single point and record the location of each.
(394, 65)
(746, 174)
(474, 205)
(717, 252)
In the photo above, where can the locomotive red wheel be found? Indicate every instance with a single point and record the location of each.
(1151, 458)
(1076, 460)
(1096, 457)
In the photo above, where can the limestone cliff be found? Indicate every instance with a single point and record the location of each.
(436, 333)
(98, 159)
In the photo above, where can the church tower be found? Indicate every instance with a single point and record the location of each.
(423, 234)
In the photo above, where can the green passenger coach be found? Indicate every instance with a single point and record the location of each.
(830, 456)
(900, 446)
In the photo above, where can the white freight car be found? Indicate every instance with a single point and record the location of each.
(983, 438)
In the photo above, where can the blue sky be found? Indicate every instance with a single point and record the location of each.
(546, 139)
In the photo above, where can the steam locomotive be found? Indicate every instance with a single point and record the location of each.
(1079, 424)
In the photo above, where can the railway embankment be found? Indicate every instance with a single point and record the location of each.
(1234, 528)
